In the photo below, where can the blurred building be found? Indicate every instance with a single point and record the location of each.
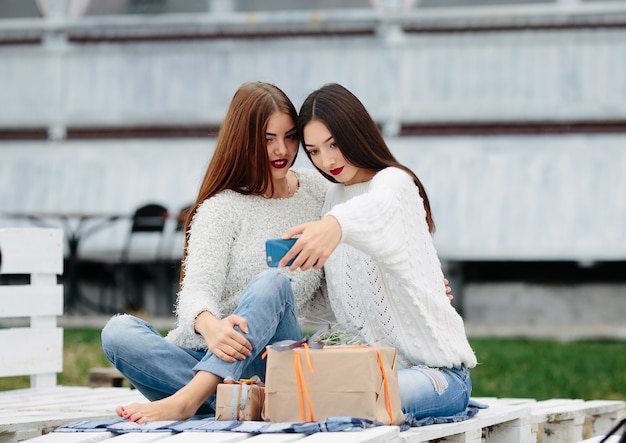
(513, 113)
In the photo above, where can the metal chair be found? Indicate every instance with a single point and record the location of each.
(147, 219)
(140, 260)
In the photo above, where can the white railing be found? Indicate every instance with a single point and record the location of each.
(557, 12)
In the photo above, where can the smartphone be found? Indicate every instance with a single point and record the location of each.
(275, 250)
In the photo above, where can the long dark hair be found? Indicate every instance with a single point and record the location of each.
(357, 136)
(240, 161)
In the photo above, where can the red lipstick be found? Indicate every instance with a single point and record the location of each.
(279, 164)
(336, 171)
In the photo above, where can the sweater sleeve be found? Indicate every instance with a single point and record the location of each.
(380, 221)
(211, 236)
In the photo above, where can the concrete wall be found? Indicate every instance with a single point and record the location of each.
(494, 198)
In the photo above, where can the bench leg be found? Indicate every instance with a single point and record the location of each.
(563, 431)
(518, 430)
(603, 423)
(473, 436)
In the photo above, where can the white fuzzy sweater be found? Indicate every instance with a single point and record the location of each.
(385, 279)
(227, 249)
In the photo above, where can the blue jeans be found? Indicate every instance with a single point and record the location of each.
(434, 392)
(158, 368)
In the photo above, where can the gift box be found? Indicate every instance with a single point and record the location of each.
(305, 384)
(240, 400)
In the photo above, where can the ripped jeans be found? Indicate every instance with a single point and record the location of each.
(158, 368)
(434, 392)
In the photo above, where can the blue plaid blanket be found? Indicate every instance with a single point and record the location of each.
(209, 424)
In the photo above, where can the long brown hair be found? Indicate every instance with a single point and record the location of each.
(357, 136)
(240, 161)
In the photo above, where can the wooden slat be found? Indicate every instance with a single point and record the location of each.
(31, 411)
(139, 437)
(378, 434)
(213, 437)
(77, 437)
(30, 300)
(31, 251)
(603, 415)
(27, 351)
(598, 439)
(491, 417)
(276, 438)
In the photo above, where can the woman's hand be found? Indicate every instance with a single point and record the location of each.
(316, 242)
(222, 338)
(448, 289)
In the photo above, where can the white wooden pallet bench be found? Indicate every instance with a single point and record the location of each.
(32, 414)
(34, 258)
(505, 421)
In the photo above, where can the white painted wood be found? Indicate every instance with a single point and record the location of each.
(471, 436)
(598, 439)
(276, 438)
(27, 351)
(217, 437)
(563, 431)
(30, 300)
(140, 437)
(505, 421)
(603, 415)
(31, 251)
(36, 350)
(516, 417)
(378, 434)
(74, 437)
(562, 420)
(31, 411)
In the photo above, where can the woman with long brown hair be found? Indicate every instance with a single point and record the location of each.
(230, 306)
(375, 243)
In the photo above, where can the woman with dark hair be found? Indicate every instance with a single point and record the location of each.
(375, 244)
(229, 306)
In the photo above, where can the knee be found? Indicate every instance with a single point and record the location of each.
(270, 285)
(117, 332)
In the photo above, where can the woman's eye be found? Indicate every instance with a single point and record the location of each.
(313, 152)
(291, 136)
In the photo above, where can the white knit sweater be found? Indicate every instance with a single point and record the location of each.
(385, 279)
(227, 249)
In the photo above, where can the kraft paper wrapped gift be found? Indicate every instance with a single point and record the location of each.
(305, 384)
(239, 400)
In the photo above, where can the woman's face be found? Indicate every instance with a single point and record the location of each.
(282, 144)
(326, 155)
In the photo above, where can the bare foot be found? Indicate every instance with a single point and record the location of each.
(169, 408)
(179, 406)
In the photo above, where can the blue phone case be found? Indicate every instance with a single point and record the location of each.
(276, 248)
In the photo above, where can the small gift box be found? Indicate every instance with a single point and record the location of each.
(240, 400)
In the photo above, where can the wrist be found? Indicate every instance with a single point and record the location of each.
(197, 319)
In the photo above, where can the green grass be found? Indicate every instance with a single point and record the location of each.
(548, 369)
(507, 367)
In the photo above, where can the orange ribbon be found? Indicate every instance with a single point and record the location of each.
(243, 381)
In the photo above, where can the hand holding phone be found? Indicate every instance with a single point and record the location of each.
(275, 250)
